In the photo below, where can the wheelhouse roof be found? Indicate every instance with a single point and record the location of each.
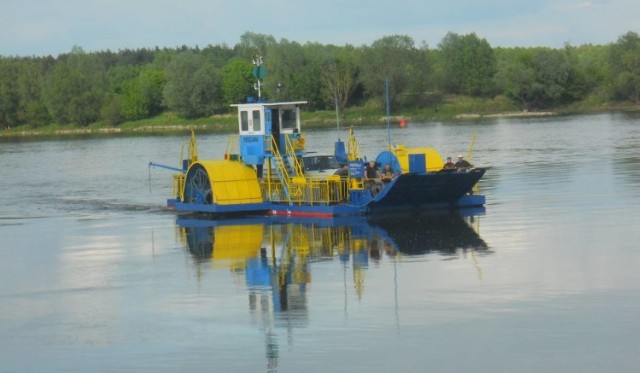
(270, 104)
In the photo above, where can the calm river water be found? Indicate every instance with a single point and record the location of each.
(95, 275)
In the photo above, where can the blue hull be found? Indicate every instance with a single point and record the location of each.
(428, 190)
(419, 191)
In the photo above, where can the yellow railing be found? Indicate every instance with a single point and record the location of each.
(473, 140)
(284, 179)
(353, 151)
(330, 190)
(476, 188)
(177, 189)
(232, 146)
(295, 187)
(192, 150)
(177, 181)
(291, 153)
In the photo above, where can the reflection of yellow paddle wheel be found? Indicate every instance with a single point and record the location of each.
(228, 246)
(278, 256)
(234, 245)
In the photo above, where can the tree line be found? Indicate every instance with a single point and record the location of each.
(112, 87)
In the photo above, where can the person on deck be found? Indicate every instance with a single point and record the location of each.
(343, 171)
(462, 164)
(371, 172)
(449, 165)
(387, 173)
(372, 177)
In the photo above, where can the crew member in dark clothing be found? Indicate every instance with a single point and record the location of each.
(462, 164)
(387, 173)
(449, 165)
(372, 178)
(343, 171)
(372, 172)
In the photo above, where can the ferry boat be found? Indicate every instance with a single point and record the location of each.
(267, 169)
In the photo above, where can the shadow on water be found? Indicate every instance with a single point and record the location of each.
(276, 254)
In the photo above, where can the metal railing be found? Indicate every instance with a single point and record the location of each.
(317, 191)
(291, 154)
(232, 146)
(284, 182)
(283, 177)
(177, 189)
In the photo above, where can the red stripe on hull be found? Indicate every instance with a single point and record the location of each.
(301, 214)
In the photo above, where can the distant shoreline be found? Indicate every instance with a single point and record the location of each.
(514, 114)
(222, 125)
(105, 130)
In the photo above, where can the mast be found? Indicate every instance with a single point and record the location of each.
(386, 91)
(335, 95)
(259, 73)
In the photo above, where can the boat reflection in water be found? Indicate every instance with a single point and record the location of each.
(445, 234)
(276, 254)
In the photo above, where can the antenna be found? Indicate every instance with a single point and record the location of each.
(335, 95)
(258, 72)
(386, 90)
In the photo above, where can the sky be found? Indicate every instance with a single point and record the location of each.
(52, 27)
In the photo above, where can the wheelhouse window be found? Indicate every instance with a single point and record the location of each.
(257, 125)
(289, 119)
(244, 121)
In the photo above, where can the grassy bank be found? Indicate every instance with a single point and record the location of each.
(454, 108)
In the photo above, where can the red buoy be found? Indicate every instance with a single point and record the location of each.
(403, 123)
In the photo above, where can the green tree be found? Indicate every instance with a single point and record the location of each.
(394, 58)
(9, 98)
(112, 109)
(576, 86)
(152, 82)
(133, 103)
(540, 77)
(592, 62)
(309, 76)
(76, 88)
(517, 80)
(625, 67)
(252, 44)
(218, 55)
(291, 67)
(142, 96)
(339, 77)
(30, 82)
(192, 86)
(119, 79)
(468, 64)
(206, 95)
(118, 76)
(420, 91)
(552, 76)
(237, 81)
